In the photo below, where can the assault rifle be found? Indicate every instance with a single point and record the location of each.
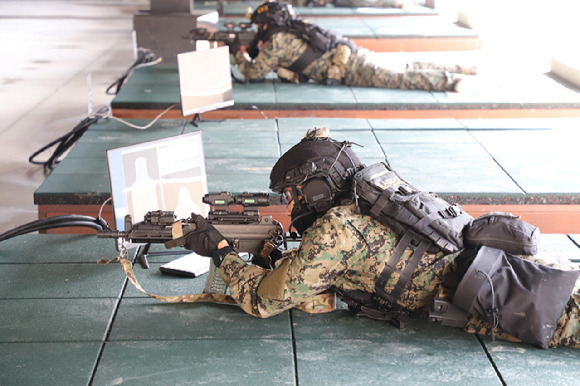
(245, 231)
(235, 36)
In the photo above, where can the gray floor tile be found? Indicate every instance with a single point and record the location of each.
(237, 183)
(150, 319)
(450, 168)
(434, 137)
(527, 365)
(415, 124)
(155, 282)
(309, 95)
(24, 281)
(243, 362)
(260, 94)
(43, 248)
(243, 166)
(304, 124)
(380, 97)
(520, 123)
(575, 239)
(54, 320)
(561, 245)
(363, 351)
(82, 166)
(47, 363)
(238, 150)
(93, 184)
(526, 156)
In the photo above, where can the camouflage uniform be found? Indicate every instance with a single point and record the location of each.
(353, 3)
(348, 251)
(285, 48)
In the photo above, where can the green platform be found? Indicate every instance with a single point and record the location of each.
(238, 9)
(487, 161)
(157, 87)
(67, 321)
(362, 27)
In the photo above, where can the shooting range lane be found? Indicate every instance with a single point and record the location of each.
(512, 158)
(144, 97)
(60, 307)
(237, 9)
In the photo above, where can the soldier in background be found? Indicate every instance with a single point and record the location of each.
(345, 251)
(298, 51)
(354, 3)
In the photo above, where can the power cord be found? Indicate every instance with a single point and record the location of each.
(66, 141)
(145, 58)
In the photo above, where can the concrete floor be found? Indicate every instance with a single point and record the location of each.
(50, 48)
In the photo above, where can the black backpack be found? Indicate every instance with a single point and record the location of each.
(381, 193)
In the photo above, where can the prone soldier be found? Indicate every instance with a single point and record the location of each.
(349, 252)
(299, 51)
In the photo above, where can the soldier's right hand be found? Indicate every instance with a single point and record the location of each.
(205, 239)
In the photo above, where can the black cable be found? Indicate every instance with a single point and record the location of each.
(66, 141)
(70, 220)
(143, 56)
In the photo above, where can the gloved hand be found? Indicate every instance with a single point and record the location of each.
(205, 239)
(234, 46)
(253, 51)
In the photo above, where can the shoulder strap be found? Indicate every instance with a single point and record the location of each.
(419, 246)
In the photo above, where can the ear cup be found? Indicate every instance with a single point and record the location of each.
(317, 195)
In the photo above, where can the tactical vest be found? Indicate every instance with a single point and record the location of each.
(319, 41)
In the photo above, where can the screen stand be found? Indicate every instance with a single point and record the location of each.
(196, 118)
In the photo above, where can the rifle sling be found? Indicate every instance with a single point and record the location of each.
(193, 298)
(318, 304)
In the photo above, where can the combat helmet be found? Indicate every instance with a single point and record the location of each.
(319, 170)
(273, 13)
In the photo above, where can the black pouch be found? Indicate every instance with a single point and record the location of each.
(521, 297)
(503, 231)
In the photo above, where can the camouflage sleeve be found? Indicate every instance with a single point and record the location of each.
(309, 270)
(263, 64)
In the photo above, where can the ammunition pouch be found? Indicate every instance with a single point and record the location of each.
(337, 69)
(521, 297)
(503, 231)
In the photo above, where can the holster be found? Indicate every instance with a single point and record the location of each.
(521, 297)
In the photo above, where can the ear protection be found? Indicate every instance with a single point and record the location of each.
(317, 195)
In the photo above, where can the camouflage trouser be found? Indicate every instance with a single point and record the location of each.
(363, 72)
(568, 328)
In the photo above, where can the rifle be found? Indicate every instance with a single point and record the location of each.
(235, 36)
(245, 231)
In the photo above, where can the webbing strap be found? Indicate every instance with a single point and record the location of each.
(307, 57)
(193, 298)
(419, 245)
(382, 201)
(317, 304)
(452, 211)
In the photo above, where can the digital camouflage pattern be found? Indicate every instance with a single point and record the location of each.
(341, 249)
(354, 3)
(285, 48)
(349, 251)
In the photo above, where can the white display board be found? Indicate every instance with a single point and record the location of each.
(166, 174)
(205, 81)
